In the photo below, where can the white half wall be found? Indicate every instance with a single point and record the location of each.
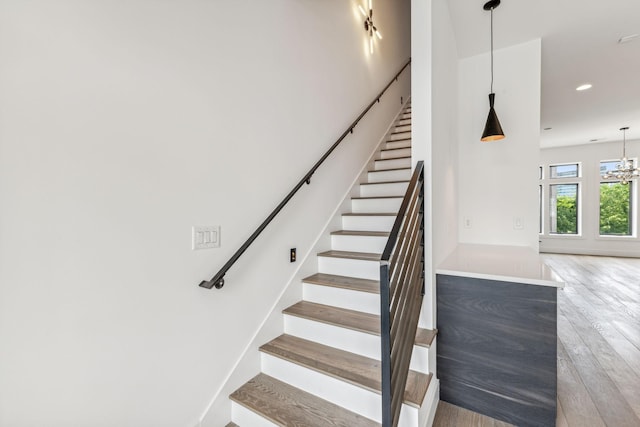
(589, 241)
(421, 125)
(444, 133)
(497, 181)
(124, 124)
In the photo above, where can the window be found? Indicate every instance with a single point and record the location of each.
(564, 171)
(563, 208)
(615, 205)
(540, 211)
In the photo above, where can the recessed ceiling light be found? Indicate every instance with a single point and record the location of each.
(629, 38)
(584, 87)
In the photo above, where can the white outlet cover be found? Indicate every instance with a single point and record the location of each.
(205, 237)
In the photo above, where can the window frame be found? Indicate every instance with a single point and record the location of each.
(633, 204)
(546, 182)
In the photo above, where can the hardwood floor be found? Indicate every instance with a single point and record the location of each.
(449, 415)
(598, 346)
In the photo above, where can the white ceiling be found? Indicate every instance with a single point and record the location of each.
(579, 45)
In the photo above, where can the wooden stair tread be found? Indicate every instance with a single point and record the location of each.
(394, 149)
(395, 158)
(285, 405)
(360, 233)
(377, 197)
(353, 283)
(232, 424)
(425, 337)
(385, 182)
(341, 317)
(363, 256)
(368, 214)
(399, 140)
(350, 367)
(387, 170)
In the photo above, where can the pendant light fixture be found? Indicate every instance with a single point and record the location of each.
(624, 171)
(492, 129)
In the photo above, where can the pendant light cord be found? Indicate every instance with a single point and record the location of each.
(491, 50)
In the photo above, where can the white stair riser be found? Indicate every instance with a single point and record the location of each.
(420, 359)
(393, 154)
(405, 116)
(246, 417)
(385, 176)
(367, 223)
(396, 136)
(388, 205)
(342, 298)
(349, 267)
(402, 128)
(403, 122)
(350, 397)
(398, 144)
(384, 189)
(357, 342)
(373, 244)
(392, 164)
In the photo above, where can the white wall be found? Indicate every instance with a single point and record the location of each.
(444, 135)
(421, 124)
(434, 132)
(589, 241)
(122, 124)
(498, 180)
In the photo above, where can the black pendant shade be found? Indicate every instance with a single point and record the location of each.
(492, 129)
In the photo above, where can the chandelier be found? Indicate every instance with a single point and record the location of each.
(624, 171)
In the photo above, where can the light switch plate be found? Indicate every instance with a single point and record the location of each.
(205, 237)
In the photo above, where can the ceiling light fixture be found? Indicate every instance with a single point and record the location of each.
(624, 171)
(585, 86)
(492, 129)
(368, 25)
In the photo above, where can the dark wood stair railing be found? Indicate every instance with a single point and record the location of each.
(401, 291)
(218, 280)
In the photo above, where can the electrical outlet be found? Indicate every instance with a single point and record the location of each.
(205, 237)
(518, 223)
(292, 255)
(466, 222)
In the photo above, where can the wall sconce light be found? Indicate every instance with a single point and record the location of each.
(368, 25)
(492, 129)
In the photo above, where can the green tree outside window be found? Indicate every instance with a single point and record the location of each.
(615, 202)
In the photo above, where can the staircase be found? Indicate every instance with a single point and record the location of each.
(325, 369)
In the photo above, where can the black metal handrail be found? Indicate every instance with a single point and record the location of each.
(218, 280)
(401, 292)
